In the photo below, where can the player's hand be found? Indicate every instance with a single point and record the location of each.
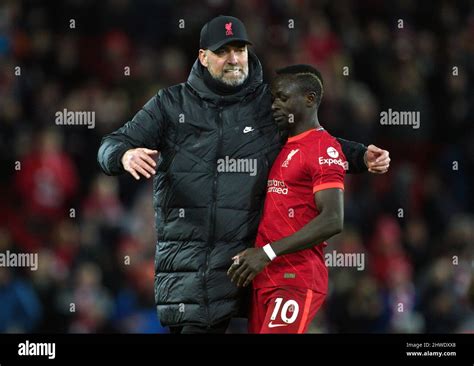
(247, 265)
(377, 160)
(139, 161)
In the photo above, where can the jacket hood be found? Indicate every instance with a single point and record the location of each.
(196, 81)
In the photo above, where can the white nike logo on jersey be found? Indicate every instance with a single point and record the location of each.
(248, 129)
(271, 325)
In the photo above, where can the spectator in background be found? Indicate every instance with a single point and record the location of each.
(20, 309)
(47, 178)
(87, 301)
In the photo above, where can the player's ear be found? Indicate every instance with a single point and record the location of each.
(203, 57)
(311, 99)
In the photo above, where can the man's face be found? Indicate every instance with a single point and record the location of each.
(288, 101)
(228, 64)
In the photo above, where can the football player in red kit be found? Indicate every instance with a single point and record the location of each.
(304, 206)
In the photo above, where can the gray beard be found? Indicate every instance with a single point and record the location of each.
(234, 82)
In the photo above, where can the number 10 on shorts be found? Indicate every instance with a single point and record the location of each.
(290, 307)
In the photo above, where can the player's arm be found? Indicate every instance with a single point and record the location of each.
(329, 222)
(362, 158)
(132, 147)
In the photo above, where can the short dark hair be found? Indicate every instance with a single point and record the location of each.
(309, 79)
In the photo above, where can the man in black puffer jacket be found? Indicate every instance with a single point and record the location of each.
(217, 141)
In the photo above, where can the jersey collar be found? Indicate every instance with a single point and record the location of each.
(303, 134)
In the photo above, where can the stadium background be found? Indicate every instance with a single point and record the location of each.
(423, 260)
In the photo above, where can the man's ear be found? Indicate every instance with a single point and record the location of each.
(203, 57)
(311, 99)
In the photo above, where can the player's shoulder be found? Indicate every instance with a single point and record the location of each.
(326, 135)
(323, 145)
(322, 139)
(329, 151)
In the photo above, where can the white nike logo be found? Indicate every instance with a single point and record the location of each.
(271, 325)
(248, 129)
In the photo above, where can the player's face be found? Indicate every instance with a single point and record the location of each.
(229, 64)
(288, 102)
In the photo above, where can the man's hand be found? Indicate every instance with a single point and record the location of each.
(247, 265)
(141, 161)
(377, 160)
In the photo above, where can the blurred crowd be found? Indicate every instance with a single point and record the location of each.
(95, 235)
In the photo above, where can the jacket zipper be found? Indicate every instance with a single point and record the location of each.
(212, 227)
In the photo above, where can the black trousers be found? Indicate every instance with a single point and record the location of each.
(219, 328)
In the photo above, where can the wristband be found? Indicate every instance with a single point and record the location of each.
(267, 248)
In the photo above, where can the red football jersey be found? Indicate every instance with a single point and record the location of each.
(309, 162)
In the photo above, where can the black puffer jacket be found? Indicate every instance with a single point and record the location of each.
(204, 215)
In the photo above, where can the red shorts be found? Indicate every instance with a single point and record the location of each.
(283, 309)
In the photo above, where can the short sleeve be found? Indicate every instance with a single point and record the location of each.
(327, 165)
